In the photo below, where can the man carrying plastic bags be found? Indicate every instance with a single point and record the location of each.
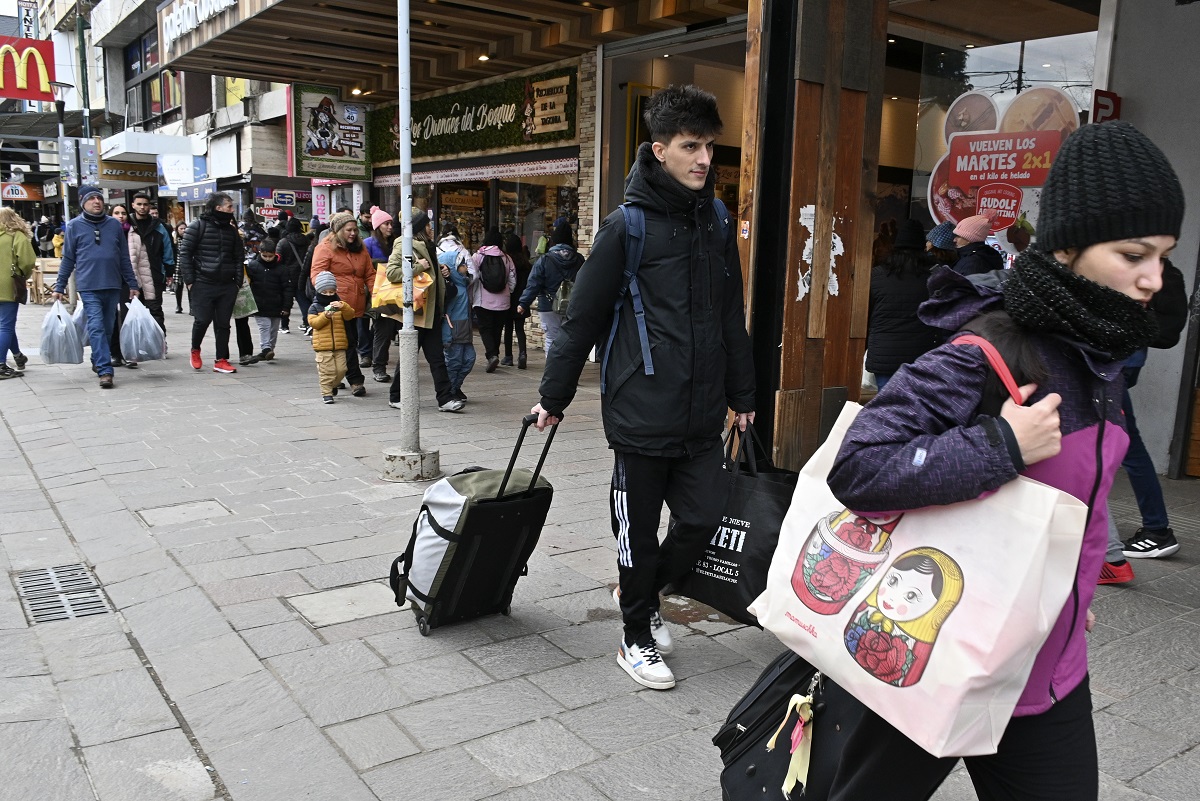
(96, 252)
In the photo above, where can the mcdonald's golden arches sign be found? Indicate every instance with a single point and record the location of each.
(26, 68)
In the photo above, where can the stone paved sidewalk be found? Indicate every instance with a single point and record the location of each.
(240, 531)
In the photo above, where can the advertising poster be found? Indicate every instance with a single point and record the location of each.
(997, 160)
(327, 137)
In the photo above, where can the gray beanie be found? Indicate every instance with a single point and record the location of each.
(325, 283)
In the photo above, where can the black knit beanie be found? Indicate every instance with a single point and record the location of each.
(1108, 182)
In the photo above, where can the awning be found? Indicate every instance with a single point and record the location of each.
(44, 125)
(142, 146)
(353, 45)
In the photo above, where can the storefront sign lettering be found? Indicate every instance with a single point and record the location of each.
(26, 69)
(1024, 159)
(185, 16)
(128, 171)
(14, 191)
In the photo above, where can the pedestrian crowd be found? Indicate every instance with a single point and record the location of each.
(1073, 318)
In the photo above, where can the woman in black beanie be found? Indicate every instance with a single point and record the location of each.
(1065, 318)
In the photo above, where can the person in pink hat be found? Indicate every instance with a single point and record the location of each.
(975, 256)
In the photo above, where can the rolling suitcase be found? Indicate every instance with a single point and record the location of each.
(754, 772)
(472, 540)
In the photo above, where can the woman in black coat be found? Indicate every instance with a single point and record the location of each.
(895, 335)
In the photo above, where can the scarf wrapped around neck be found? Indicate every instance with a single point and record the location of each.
(1045, 296)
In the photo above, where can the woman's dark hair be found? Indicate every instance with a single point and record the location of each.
(905, 262)
(516, 251)
(216, 199)
(926, 567)
(1019, 354)
(682, 110)
(943, 256)
(493, 237)
(450, 229)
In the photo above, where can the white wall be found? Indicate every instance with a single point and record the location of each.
(1162, 98)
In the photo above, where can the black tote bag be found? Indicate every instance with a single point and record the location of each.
(732, 571)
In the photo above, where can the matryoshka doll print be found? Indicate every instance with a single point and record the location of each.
(843, 551)
(892, 633)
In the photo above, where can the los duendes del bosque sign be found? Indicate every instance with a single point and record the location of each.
(527, 111)
(327, 137)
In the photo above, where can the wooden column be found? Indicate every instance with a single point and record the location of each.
(838, 105)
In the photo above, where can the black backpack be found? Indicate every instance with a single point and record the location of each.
(493, 274)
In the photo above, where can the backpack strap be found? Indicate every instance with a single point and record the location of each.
(995, 360)
(635, 238)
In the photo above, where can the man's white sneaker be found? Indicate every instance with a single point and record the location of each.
(645, 666)
(658, 627)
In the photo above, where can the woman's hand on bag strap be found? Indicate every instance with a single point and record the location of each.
(1037, 427)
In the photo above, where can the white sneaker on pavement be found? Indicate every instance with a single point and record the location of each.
(658, 627)
(645, 666)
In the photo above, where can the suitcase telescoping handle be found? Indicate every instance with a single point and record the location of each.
(526, 422)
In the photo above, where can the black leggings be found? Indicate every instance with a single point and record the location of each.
(1046, 757)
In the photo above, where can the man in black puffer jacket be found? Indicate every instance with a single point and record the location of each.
(211, 266)
(665, 427)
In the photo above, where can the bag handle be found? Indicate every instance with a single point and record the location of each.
(996, 361)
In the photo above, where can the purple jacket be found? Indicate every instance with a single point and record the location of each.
(933, 405)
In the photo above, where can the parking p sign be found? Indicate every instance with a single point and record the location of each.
(283, 198)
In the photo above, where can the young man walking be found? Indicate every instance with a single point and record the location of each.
(664, 397)
(97, 252)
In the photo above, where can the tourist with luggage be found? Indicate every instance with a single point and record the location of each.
(1065, 318)
(667, 386)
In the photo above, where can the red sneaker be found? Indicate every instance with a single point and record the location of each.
(1115, 574)
(223, 366)
(196, 363)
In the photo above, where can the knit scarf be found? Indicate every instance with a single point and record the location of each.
(1043, 295)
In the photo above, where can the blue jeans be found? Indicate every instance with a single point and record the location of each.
(459, 361)
(8, 329)
(1140, 467)
(881, 380)
(100, 305)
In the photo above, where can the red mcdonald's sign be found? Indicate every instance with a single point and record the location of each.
(26, 68)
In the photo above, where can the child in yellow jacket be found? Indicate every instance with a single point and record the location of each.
(328, 317)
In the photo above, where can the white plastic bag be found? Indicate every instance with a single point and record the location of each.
(80, 319)
(868, 378)
(141, 338)
(60, 340)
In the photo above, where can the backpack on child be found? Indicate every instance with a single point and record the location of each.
(493, 274)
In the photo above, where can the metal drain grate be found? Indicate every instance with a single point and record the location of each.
(60, 593)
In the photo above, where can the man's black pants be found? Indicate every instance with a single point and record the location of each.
(694, 489)
(212, 304)
(1046, 757)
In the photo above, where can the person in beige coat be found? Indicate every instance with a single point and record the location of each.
(16, 248)
(428, 320)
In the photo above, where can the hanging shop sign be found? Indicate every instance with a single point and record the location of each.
(14, 191)
(26, 69)
(326, 137)
(129, 172)
(184, 16)
(528, 111)
(996, 163)
(1106, 106)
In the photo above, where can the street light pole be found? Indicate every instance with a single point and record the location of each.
(408, 462)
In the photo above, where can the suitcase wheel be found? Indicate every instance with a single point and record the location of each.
(423, 625)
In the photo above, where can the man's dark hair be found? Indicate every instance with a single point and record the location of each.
(216, 199)
(682, 110)
(142, 196)
(341, 209)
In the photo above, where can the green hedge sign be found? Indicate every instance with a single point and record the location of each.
(533, 110)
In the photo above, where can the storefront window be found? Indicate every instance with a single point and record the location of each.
(171, 96)
(133, 60)
(153, 97)
(150, 50)
(529, 207)
(974, 130)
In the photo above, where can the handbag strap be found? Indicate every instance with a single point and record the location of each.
(996, 361)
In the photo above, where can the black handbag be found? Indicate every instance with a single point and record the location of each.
(732, 572)
(20, 287)
(765, 715)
